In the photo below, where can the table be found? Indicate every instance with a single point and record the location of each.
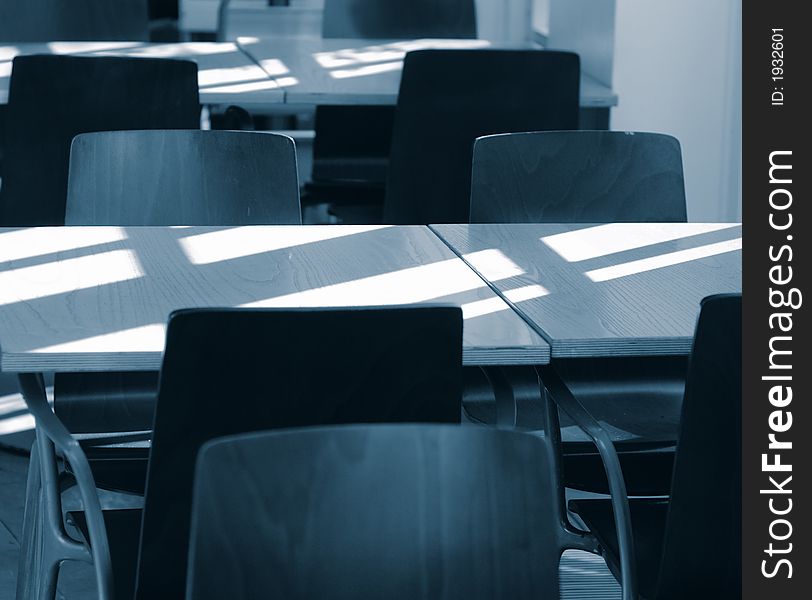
(226, 75)
(97, 298)
(349, 71)
(621, 289)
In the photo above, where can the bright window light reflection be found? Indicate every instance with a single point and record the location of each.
(602, 240)
(59, 277)
(663, 260)
(367, 70)
(146, 338)
(492, 264)
(488, 306)
(8, 53)
(480, 308)
(180, 50)
(209, 77)
(394, 51)
(87, 47)
(11, 403)
(406, 286)
(227, 244)
(16, 424)
(274, 67)
(27, 243)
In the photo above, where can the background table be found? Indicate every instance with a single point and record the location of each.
(97, 298)
(349, 71)
(226, 75)
(622, 289)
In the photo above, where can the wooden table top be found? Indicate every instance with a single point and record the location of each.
(226, 75)
(350, 71)
(622, 289)
(97, 298)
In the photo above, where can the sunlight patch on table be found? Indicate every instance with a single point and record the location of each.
(405, 286)
(68, 276)
(602, 240)
(237, 242)
(493, 264)
(663, 260)
(28, 243)
(367, 70)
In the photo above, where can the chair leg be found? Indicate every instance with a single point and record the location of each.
(46, 544)
(31, 543)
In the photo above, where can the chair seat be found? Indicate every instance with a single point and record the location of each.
(103, 402)
(648, 528)
(118, 467)
(123, 533)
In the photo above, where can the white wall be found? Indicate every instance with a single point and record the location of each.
(508, 20)
(677, 70)
(586, 27)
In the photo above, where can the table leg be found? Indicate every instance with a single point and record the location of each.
(518, 396)
(45, 543)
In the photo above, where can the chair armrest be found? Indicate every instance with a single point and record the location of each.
(564, 399)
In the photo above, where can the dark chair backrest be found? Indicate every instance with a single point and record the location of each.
(386, 511)
(399, 19)
(577, 177)
(54, 98)
(164, 177)
(706, 486)
(233, 371)
(73, 20)
(345, 134)
(447, 99)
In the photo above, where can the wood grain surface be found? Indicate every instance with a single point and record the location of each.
(622, 289)
(225, 74)
(170, 177)
(97, 298)
(577, 177)
(351, 71)
(376, 512)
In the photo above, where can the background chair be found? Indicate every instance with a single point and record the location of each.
(352, 143)
(447, 99)
(161, 177)
(74, 20)
(182, 178)
(596, 177)
(233, 371)
(690, 546)
(399, 19)
(387, 511)
(54, 98)
(577, 177)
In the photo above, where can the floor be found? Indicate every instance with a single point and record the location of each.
(583, 575)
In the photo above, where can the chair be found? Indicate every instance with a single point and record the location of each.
(399, 19)
(677, 560)
(74, 20)
(228, 371)
(352, 144)
(577, 177)
(597, 177)
(385, 511)
(182, 178)
(54, 98)
(161, 177)
(447, 99)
